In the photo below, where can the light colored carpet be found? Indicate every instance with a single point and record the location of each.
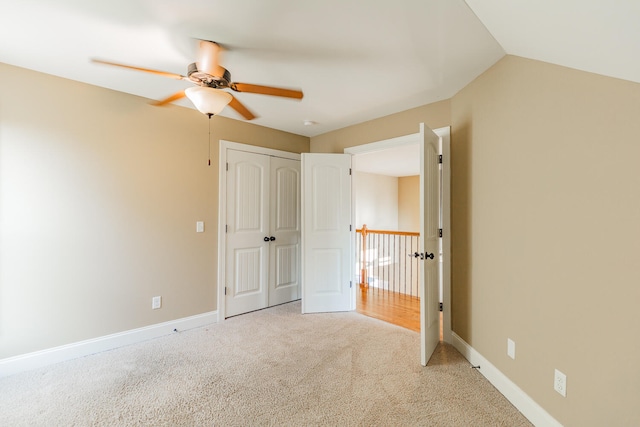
(271, 367)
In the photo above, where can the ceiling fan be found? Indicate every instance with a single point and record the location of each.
(210, 79)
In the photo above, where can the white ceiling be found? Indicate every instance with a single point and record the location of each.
(355, 60)
(599, 36)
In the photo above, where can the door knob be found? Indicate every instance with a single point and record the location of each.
(422, 255)
(272, 238)
(266, 239)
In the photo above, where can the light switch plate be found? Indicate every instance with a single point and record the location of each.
(511, 348)
(200, 227)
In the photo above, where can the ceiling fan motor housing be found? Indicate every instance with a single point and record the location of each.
(203, 79)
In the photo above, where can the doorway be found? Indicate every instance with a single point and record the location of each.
(397, 157)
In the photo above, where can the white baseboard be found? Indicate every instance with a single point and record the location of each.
(39, 359)
(521, 400)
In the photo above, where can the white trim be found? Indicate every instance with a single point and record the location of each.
(42, 358)
(222, 206)
(521, 400)
(445, 140)
(371, 147)
(258, 150)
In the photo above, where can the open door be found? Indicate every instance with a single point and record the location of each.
(429, 235)
(326, 233)
(327, 255)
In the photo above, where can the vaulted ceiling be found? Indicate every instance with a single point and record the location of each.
(355, 60)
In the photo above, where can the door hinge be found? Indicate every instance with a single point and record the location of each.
(225, 290)
(227, 166)
(350, 227)
(226, 228)
(350, 284)
(349, 171)
(440, 158)
(440, 232)
(440, 307)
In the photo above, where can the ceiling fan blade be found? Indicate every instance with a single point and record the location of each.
(146, 70)
(170, 99)
(240, 108)
(209, 58)
(267, 90)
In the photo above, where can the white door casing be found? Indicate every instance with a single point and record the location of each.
(326, 233)
(445, 141)
(429, 242)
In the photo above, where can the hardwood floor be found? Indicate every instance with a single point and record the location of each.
(399, 309)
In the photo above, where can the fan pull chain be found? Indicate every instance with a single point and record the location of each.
(210, 138)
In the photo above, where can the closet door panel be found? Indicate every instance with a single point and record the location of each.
(247, 252)
(284, 281)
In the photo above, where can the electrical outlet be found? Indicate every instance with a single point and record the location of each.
(156, 302)
(560, 383)
(511, 348)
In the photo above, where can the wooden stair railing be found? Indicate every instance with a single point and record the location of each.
(382, 243)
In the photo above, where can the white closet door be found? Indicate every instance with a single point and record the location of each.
(326, 235)
(247, 252)
(284, 265)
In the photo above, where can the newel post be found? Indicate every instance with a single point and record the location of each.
(363, 270)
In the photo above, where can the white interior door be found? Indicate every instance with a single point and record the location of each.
(326, 233)
(284, 246)
(429, 238)
(247, 252)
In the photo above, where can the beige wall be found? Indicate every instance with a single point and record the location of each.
(546, 234)
(409, 203)
(99, 196)
(376, 201)
(405, 123)
(387, 202)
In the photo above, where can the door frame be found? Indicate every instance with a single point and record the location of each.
(444, 134)
(222, 207)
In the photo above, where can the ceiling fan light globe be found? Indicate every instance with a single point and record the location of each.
(208, 100)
